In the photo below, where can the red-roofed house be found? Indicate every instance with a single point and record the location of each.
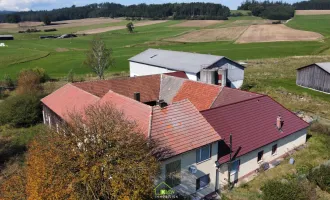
(256, 139)
(192, 120)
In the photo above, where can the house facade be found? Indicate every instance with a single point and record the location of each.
(194, 121)
(206, 68)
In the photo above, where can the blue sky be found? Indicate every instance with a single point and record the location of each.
(50, 4)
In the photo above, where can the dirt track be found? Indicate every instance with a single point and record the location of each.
(210, 35)
(312, 12)
(274, 33)
(198, 23)
(102, 30)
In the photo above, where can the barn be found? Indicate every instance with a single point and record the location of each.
(206, 68)
(315, 76)
(6, 37)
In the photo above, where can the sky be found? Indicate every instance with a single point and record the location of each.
(24, 5)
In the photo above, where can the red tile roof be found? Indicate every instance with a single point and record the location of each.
(148, 86)
(201, 95)
(230, 95)
(179, 74)
(181, 127)
(69, 99)
(133, 110)
(252, 123)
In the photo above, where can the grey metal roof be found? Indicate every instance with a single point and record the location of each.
(176, 60)
(325, 66)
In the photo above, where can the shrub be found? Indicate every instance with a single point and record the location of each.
(43, 76)
(28, 82)
(290, 190)
(50, 30)
(21, 110)
(321, 177)
(8, 82)
(320, 128)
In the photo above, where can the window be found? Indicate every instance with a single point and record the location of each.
(203, 153)
(274, 149)
(173, 173)
(260, 155)
(202, 182)
(235, 166)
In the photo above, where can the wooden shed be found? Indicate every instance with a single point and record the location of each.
(6, 37)
(315, 76)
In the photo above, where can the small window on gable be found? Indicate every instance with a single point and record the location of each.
(260, 155)
(274, 149)
(203, 153)
(173, 173)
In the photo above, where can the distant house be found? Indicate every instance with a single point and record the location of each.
(6, 37)
(315, 76)
(206, 68)
(194, 121)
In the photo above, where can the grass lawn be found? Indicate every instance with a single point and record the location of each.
(58, 57)
(316, 23)
(316, 153)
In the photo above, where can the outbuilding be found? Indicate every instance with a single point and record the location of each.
(315, 76)
(6, 37)
(206, 68)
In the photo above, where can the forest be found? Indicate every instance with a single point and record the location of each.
(313, 5)
(152, 11)
(269, 10)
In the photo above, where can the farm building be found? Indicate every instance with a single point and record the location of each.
(206, 68)
(315, 76)
(6, 37)
(194, 120)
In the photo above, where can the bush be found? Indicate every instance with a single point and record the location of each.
(8, 82)
(321, 177)
(290, 190)
(21, 110)
(320, 128)
(50, 30)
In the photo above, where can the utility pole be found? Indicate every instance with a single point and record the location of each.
(229, 163)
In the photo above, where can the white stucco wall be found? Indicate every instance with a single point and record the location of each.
(188, 180)
(249, 161)
(138, 69)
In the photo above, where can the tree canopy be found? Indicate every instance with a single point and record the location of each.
(152, 11)
(313, 5)
(269, 10)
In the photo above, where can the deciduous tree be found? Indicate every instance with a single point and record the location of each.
(99, 57)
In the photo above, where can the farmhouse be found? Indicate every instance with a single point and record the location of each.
(315, 76)
(194, 121)
(6, 37)
(206, 68)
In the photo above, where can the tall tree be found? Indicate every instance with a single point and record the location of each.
(99, 57)
(46, 20)
(99, 155)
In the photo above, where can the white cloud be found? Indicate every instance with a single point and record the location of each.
(21, 5)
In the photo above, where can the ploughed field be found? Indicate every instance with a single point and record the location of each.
(275, 33)
(312, 12)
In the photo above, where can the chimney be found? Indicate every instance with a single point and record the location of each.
(279, 122)
(137, 96)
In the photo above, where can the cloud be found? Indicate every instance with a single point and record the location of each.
(22, 5)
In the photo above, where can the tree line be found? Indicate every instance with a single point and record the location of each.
(312, 5)
(152, 11)
(276, 10)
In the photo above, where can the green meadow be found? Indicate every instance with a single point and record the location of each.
(59, 56)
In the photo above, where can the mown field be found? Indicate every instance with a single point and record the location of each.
(58, 57)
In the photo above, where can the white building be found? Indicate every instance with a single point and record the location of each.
(198, 67)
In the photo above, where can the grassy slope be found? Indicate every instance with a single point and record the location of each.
(316, 23)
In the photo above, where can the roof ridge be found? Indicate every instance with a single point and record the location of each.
(85, 91)
(235, 103)
(216, 97)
